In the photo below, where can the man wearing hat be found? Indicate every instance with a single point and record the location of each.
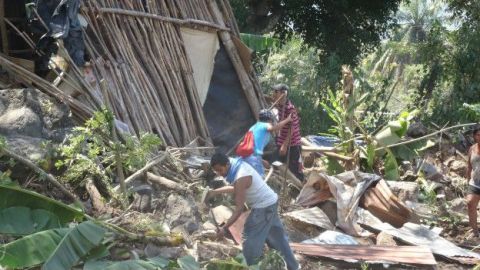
(288, 140)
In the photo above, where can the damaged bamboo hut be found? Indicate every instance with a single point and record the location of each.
(175, 68)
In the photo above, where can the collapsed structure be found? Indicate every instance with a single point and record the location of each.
(175, 68)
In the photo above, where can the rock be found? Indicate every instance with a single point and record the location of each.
(152, 250)
(142, 201)
(182, 210)
(416, 129)
(458, 205)
(458, 166)
(385, 239)
(211, 250)
(409, 176)
(21, 121)
(404, 190)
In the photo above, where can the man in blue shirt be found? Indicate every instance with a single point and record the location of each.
(261, 136)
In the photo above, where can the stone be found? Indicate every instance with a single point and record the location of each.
(142, 201)
(21, 121)
(458, 205)
(152, 250)
(404, 190)
(385, 239)
(212, 250)
(182, 210)
(459, 167)
(416, 129)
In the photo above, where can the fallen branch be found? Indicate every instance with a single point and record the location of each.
(35, 168)
(155, 161)
(97, 199)
(165, 182)
(426, 136)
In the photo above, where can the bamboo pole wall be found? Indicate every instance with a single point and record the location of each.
(145, 76)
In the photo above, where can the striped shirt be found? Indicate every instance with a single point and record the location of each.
(284, 111)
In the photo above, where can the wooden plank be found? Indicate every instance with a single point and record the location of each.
(3, 27)
(418, 255)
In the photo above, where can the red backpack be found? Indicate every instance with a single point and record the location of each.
(245, 148)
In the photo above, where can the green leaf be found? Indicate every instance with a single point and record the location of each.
(31, 250)
(391, 166)
(150, 264)
(188, 263)
(14, 196)
(76, 244)
(333, 166)
(370, 155)
(226, 265)
(23, 221)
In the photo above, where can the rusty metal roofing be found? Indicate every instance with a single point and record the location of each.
(417, 255)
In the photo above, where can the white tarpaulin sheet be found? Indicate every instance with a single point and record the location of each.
(201, 49)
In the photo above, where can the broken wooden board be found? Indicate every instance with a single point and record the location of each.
(221, 214)
(383, 204)
(314, 216)
(416, 255)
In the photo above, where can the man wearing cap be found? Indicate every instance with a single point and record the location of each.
(263, 224)
(289, 138)
(261, 136)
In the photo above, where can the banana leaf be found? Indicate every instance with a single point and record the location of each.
(188, 263)
(226, 265)
(150, 264)
(11, 196)
(391, 166)
(21, 220)
(31, 250)
(76, 244)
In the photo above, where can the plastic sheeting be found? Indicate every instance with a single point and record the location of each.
(201, 49)
(226, 108)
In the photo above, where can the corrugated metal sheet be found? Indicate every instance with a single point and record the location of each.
(416, 255)
(421, 235)
(383, 204)
(314, 216)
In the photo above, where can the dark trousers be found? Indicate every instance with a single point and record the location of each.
(294, 164)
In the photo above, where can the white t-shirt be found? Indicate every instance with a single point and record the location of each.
(259, 194)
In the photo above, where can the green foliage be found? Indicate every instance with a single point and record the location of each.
(150, 264)
(31, 250)
(259, 43)
(188, 263)
(428, 194)
(299, 68)
(391, 166)
(12, 196)
(91, 151)
(20, 220)
(340, 29)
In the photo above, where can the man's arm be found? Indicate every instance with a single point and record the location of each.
(280, 125)
(241, 186)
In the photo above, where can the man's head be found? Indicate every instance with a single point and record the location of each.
(220, 164)
(476, 134)
(265, 116)
(280, 91)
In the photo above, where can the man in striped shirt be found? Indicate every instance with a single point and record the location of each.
(289, 138)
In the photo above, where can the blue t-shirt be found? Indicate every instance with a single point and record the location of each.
(261, 137)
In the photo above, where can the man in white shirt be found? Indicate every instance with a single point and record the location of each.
(263, 225)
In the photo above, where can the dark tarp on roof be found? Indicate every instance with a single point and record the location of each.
(226, 108)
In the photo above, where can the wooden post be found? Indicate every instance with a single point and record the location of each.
(227, 41)
(3, 27)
